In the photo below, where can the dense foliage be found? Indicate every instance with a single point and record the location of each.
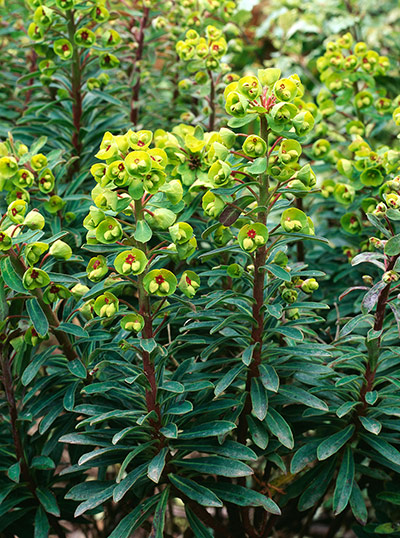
(199, 269)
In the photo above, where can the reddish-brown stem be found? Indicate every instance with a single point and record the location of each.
(274, 145)
(134, 114)
(211, 122)
(76, 94)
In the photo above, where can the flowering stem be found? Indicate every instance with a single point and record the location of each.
(76, 93)
(134, 115)
(147, 332)
(211, 123)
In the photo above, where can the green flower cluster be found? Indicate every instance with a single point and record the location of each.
(135, 200)
(84, 35)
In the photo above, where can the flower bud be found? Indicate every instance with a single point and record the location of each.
(295, 220)
(189, 283)
(109, 231)
(254, 146)
(390, 276)
(160, 282)
(60, 250)
(84, 37)
(5, 241)
(34, 220)
(106, 305)
(63, 48)
(132, 323)
(132, 261)
(46, 181)
(97, 268)
(309, 285)
(79, 290)
(55, 292)
(16, 211)
(35, 278)
(8, 167)
(54, 204)
(108, 61)
(252, 236)
(235, 270)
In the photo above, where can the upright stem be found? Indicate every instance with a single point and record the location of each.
(300, 244)
(76, 93)
(211, 123)
(374, 345)
(134, 115)
(145, 311)
(12, 407)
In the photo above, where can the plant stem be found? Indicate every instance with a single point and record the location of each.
(145, 311)
(211, 122)
(51, 317)
(76, 93)
(134, 115)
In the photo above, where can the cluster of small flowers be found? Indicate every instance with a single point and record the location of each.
(90, 35)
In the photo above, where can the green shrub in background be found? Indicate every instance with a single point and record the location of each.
(185, 348)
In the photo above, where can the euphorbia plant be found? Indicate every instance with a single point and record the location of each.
(74, 46)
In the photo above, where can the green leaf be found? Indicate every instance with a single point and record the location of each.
(41, 526)
(371, 297)
(228, 379)
(216, 465)
(280, 428)
(148, 344)
(10, 277)
(134, 520)
(3, 301)
(42, 462)
(344, 482)
(143, 232)
(303, 456)
(48, 501)
(384, 448)
(390, 496)
(258, 432)
(209, 429)
(392, 247)
(242, 496)
(259, 398)
(239, 122)
(357, 505)
(353, 323)
(158, 524)
(269, 377)
(180, 408)
(334, 443)
(371, 424)
(94, 501)
(387, 528)
(296, 394)
(247, 355)
(258, 166)
(14, 472)
(170, 431)
(345, 408)
(278, 271)
(37, 316)
(157, 465)
(318, 486)
(72, 328)
(197, 526)
(194, 491)
(77, 369)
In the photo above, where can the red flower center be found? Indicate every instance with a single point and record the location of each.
(96, 264)
(54, 289)
(188, 281)
(251, 233)
(2, 236)
(65, 48)
(34, 274)
(14, 211)
(24, 175)
(121, 167)
(130, 259)
(140, 143)
(19, 195)
(84, 36)
(159, 279)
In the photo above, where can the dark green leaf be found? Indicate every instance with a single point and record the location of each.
(216, 465)
(194, 491)
(334, 443)
(344, 482)
(157, 465)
